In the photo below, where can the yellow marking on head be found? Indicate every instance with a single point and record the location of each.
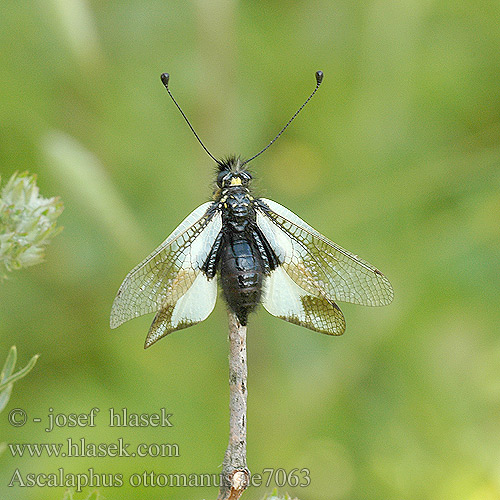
(235, 181)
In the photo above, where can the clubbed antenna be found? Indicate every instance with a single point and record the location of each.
(164, 78)
(319, 79)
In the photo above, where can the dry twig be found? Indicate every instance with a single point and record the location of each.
(235, 474)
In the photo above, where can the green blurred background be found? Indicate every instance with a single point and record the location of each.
(397, 158)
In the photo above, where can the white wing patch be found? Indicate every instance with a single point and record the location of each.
(197, 303)
(194, 306)
(282, 296)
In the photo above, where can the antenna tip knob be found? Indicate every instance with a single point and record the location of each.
(319, 77)
(164, 78)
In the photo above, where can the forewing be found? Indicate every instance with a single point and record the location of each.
(167, 274)
(285, 299)
(318, 265)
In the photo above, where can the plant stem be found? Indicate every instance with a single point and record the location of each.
(235, 474)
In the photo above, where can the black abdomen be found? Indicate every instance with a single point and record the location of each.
(241, 275)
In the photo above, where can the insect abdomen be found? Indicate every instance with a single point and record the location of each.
(241, 275)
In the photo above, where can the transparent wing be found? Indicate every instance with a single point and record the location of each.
(167, 275)
(317, 265)
(283, 298)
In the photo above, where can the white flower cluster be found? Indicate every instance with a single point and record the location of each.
(27, 223)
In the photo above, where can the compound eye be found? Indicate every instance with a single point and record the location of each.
(220, 178)
(245, 177)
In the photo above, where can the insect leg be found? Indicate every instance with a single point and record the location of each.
(269, 258)
(210, 265)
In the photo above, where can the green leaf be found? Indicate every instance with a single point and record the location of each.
(5, 396)
(20, 374)
(9, 365)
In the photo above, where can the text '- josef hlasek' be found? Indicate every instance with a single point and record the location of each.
(116, 418)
